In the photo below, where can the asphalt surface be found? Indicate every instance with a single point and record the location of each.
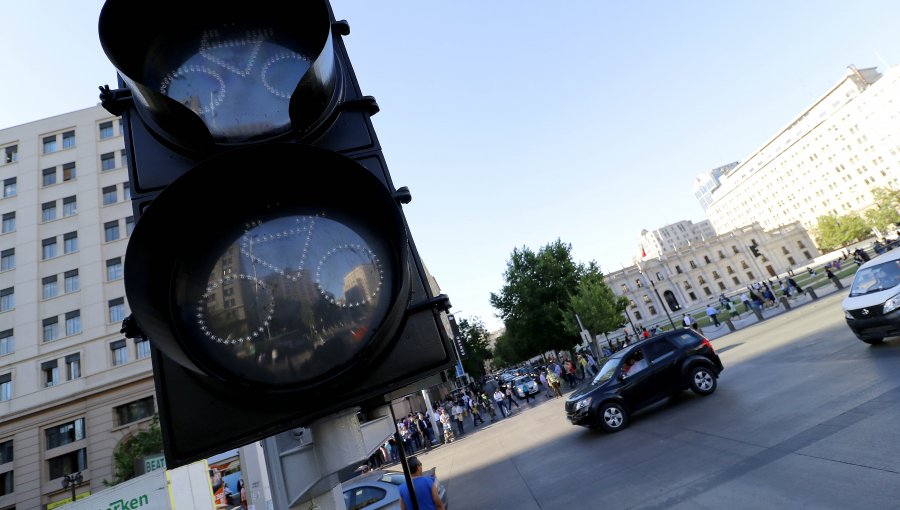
(805, 416)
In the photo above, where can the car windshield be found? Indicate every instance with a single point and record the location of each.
(522, 380)
(607, 370)
(876, 278)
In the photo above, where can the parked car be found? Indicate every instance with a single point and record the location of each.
(525, 384)
(643, 373)
(872, 309)
(379, 489)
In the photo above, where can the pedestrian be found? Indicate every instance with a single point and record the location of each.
(510, 400)
(792, 283)
(500, 400)
(458, 416)
(445, 425)
(427, 497)
(553, 381)
(688, 320)
(592, 363)
(476, 415)
(713, 314)
(546, 384)
(732, 309)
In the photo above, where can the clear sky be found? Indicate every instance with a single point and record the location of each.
(516, 123)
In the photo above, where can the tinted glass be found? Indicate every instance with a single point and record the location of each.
(876, 278)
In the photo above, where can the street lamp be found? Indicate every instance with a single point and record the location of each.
(72, 480)
(662, 303)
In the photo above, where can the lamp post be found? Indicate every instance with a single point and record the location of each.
(72, 480)
(662, 303)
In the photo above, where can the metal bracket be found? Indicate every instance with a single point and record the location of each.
(365, 104)
(130, 328)
(115, 101)
(340, 27)
(402, 195)
(439, 302)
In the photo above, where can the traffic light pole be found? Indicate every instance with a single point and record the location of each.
(404, 462)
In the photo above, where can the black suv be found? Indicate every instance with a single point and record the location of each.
(644, 373)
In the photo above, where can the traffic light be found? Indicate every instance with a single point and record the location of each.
(271, 265)
(754, 249)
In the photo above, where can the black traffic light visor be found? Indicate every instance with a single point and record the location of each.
(205, 72)
(287, 266)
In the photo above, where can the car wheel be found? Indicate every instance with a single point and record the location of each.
(612, 417)
(702, 380)
(873, 341)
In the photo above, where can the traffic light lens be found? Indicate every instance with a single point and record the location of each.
(289, 301)
(239, 81)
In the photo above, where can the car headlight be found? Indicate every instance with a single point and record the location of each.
(583, 403)
(892, 304)
(848, 315)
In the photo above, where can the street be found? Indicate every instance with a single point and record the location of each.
(805, 416)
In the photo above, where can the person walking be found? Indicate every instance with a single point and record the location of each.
(713, 314)
(458, 416)
(553, 381)
(427, 497)
(510, 400)
(499, 398)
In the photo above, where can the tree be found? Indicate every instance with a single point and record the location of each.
(535, 299)
(599, 309)
(835, 232)
(475, 337)
(504, 352)
(143, 443)
(884, 214)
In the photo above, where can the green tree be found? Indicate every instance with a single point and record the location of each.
(504, 352)
(535, 300)
(884, 214)
(145, 442)
(475, 337)
(600, 310)
(833, 232)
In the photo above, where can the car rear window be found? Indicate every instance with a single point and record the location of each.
(685, 339)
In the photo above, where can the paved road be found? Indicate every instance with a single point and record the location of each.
(805, 416)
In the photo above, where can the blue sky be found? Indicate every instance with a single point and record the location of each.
(518, 123)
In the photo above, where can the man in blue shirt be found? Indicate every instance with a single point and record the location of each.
(425, 487)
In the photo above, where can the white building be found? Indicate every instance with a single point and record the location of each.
(71, 386)
(694, 275)
(825, 161)
(673, 237)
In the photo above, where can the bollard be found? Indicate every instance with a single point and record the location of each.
(730, 325)
(784, 303)
(812, 294)
(759, 315)
(837, 282)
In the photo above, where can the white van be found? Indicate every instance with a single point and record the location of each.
(872, 309)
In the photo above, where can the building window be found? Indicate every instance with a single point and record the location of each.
(5, 387)
(111, 230)
(134, 411)
(624, 288)
(48, 211)
(116, 310)
(50, 373)
(807, 255)
(9, 187)
(50, 329)
(119, 352)
(107, 161)
(735, 280)
(9, 223)
(73, 366)
(73, 322)
(12, 154)
(716, 275)
(639, 283)
(70, 206)
(126, 191)
(106, 130)
(7, 299)
(800, 245)
(687, 285)
(49, 144)
(142, 346)
(7, 342)
(744, 265)
(693, 264)
(701, 280)
(68, 139)
(734, 249)
(678, 269)
(750, 276)
(114, 269)
(706, 259)
(646, 299)
(49, 176)
(67, 463)
(791, 261)
(48, 248)
(721, 285)
(71, 281)
(707, 291)
(49, 287)
(721, 255)
(8, 259)
(637, 315)
(129, 225)
(109, 195)
(6, 452)
(70, 242)
(64, 434)
(729, 269)
(651, 309)
(6, 483)
(68, 171)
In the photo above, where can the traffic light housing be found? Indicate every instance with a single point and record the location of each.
(271, 265)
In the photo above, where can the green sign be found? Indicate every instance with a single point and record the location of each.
(155, 462)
